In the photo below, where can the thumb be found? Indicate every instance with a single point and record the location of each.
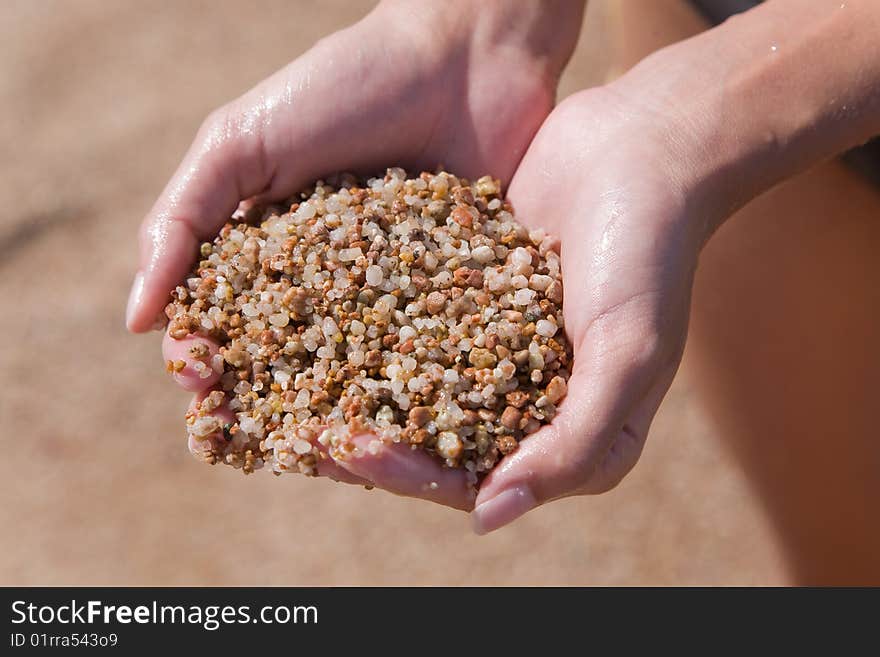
(268, 143)
(224, 165)
(588, 448)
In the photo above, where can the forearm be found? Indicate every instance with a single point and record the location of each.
(765, 95)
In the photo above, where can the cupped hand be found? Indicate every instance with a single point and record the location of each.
(414, 85)
(603, 174)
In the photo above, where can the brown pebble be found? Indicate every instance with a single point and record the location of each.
(465, 276)
(506, 444)
(517, 398)
(556, 389)
(511, 417)
(373, 358)
(435, 302)
(554, 292)
(462, 217)
(419, 437)
(463, 195)
(420, 415)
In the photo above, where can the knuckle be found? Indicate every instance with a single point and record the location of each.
(573, 106)
(324, 43)
(616, 464)
(601, 485)
(651, 351)
(568, 107)
(657, 344)
(217, 128)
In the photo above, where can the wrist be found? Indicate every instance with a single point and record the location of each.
(682, 114)
(761, 98)
(721, 150)
(539, 35)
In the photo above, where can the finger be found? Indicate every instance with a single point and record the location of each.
(327, 467)
(212, 442)
(626, 448)
(310, 119)
(402, 470)
(216, 443)
(191, 361)
(563, 457)
(272, 141)
(224, 165)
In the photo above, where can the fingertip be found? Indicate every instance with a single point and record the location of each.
(400, 469)
(169, 251)
(502, 508)
(532, 461)
(198, 371)
(222, 413)
(132, 316)
(327, 467)
(554, 462)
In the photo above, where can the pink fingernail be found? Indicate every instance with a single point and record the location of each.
(503, 509)
(134, 297)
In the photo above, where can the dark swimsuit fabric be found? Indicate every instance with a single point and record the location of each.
(865, 159)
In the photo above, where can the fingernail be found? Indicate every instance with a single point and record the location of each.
(134, 297)
(502, 509)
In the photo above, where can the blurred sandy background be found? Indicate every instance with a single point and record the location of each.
(98, 101)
